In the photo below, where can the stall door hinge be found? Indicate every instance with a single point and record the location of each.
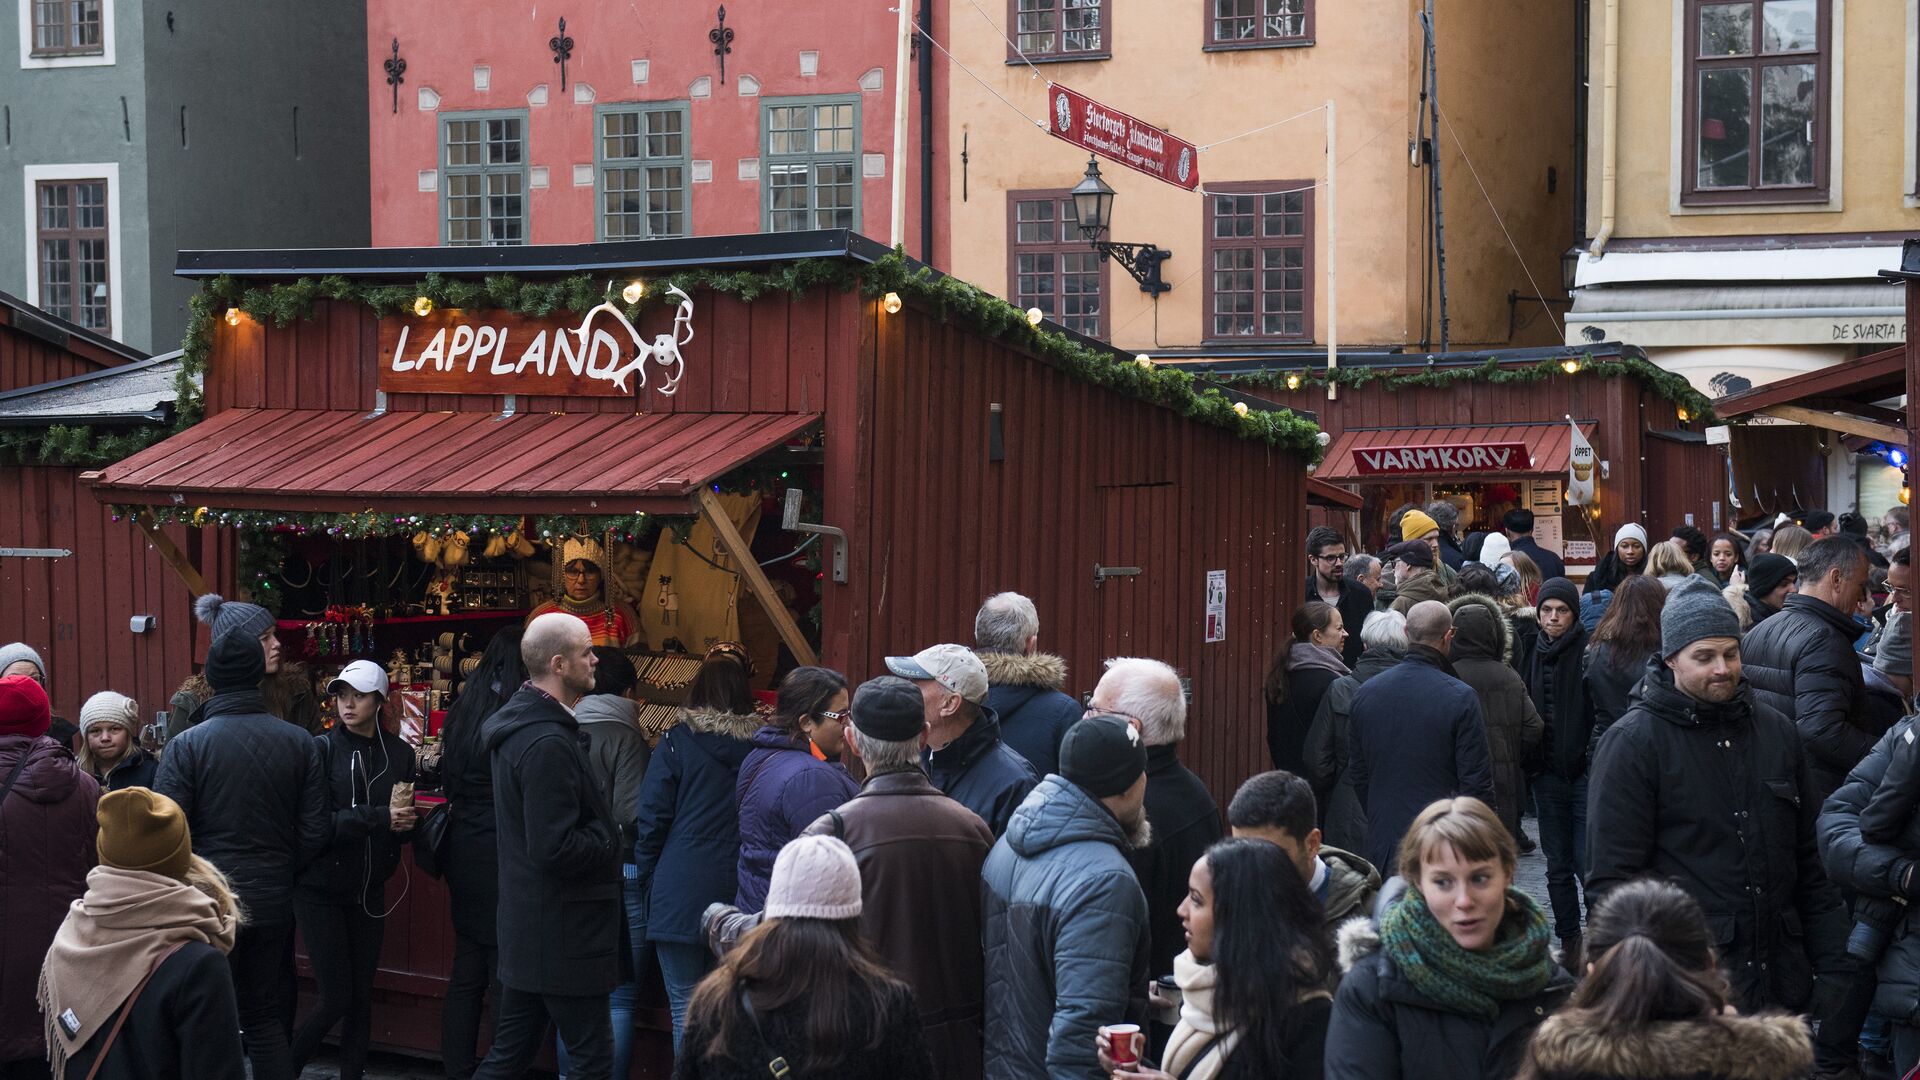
(1102, 573)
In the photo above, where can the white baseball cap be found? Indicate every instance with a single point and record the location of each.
(362, 675)
(952, 666)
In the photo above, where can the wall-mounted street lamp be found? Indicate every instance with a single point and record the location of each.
(1093, 205)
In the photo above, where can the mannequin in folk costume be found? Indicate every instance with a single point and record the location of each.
(584, 592)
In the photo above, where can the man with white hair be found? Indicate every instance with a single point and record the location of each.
(965, 755)
(1024, 685)
(1186, 820)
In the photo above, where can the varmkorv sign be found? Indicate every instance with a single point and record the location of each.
(1503, 457)
(1136, 144)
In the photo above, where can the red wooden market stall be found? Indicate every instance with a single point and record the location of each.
(368, 414)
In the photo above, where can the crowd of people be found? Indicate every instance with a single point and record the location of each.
(1712, 740)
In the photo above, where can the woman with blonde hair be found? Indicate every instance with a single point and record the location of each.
(1790, 540)
(1529, 571)
(136, 985)
(1668, 562)
(1455, 974)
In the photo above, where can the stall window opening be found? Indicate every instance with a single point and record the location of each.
(485, 180)
(67, 28)
(1053, 268)
(809, 172)
(71, 249)
(1254, 24)
(1756, 115)
(1259, 251)
(643, 172)
(1059, 30)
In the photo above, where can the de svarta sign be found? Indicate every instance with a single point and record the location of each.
(1506, 457)
(450, 351)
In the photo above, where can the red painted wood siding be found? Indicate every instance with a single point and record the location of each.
(75, 610)
(28, 361)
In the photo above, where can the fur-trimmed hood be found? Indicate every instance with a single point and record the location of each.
(1474, 642)
(1042, 670)
(1357, 939)
(714, 722)
(1772, 1046)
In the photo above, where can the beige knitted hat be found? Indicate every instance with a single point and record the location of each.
(107, 707)
(815, 877)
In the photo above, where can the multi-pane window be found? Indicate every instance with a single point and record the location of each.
(1259, 245)
(66, 27)
(1053, 266)
(485, 180)
(1241, 24)
(810, 170)
(643, 172)
(1756, 89)
(71, 220)
(1070, 29)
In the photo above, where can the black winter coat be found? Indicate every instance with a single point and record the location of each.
(1356, 603)
(1610, 688)
(1772, 1046)
(137, 769)
(1186, 822)
(1877, 870)
(186, 1025)
(473, 851)
(688, 855)
(1549, 563)
(1343, 818)
(1481, 643)
(1718, 800)
(1555, 677)
(901, 1055)
(560, 908)
(255, 795)
(982, 773)
(1035, 713)
(362, 851)
(1289, 721)
(1418, 732)
(1801, 662)
(1384, 1029)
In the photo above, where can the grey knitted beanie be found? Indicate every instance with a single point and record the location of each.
(226, 615)
(1695, 610)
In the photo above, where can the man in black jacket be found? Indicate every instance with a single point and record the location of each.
(254, 792)
(1706, 785)
(1553, 674)
(1328, 583)
(559, 863)
(1186, 820)
(1023, 683)
(1801, 662)
(1518, 525)
(966, 758)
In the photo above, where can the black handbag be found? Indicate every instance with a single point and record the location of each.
(432, 840)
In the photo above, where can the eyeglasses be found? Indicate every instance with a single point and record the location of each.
(585, 571)
(1334, 558)
(839, 717)
(1128, 717)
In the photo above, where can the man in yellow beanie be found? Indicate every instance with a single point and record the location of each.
(1419, 525)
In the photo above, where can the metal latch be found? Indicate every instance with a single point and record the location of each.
(34, 553)
(1102, 573)
(790, 520)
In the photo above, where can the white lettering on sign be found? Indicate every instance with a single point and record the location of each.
(1438, 458)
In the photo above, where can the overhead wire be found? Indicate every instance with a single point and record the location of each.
(1498, 220)
(1009, 40)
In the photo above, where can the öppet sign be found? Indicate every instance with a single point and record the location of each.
(1136, 144)
(1503, 457)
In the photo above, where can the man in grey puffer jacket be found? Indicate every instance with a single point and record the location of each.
(1064, 919)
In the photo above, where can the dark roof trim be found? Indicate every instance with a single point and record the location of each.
(47, 420)
(1698, 438)
(1315, 360)
(1909, 263)
(747, 249)
(105, 373)
(60, 333)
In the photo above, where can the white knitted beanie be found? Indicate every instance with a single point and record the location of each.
(815, 877)
(107, 707)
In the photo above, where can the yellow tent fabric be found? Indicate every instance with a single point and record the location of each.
(707, 600)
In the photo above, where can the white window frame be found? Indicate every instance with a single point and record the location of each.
(1910, 194)
(116, 281)
(103, 58)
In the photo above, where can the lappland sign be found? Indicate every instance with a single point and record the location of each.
(1113, 134)
(602, 354)
(1505, 457)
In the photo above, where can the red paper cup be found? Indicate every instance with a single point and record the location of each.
(1124, 1048)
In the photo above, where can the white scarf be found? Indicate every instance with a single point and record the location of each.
(1197, 1050)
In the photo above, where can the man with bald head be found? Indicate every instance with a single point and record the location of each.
(1417, 735)
(560, 908)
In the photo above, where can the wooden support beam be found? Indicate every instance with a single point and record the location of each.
(175, 558)
(1851, 425)
(762, 589)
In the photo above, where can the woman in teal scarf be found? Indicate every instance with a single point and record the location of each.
(1455, 975)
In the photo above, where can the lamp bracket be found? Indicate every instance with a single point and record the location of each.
(1142, 261)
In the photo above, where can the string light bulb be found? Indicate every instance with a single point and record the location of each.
(1905, 494)
(891, 303)
(422, 306)
(1240, 408)
(1034, 315)
(233, 316)
(1293, 382)
(1682, 414)
(1144, 361)
(634, 291)
(1570, 366)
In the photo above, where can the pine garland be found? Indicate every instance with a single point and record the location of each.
(82, 445)
(1666, 384)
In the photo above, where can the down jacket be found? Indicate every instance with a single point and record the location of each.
(1717, 799)
(46, 848)
(981, 772)
(1771, 1046)
(688, 854)
(1028, 694)
(255, 794)
(1801, 662)
(1482, 651)
(1186, 822)
(1343, 820)
(1064, 927)
(782, 789)
(1866, 869)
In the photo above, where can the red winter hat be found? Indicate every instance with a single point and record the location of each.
(24, 709)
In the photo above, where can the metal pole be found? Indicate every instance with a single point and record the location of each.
(926, 137)
(898, 234)
(1433, 170)
(1333, 247)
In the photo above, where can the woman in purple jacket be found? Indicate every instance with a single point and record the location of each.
(792, 776)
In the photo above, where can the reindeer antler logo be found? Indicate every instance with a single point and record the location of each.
(603, 350)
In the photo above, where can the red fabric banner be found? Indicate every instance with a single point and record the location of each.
(1503, 457)
(1134, 143)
